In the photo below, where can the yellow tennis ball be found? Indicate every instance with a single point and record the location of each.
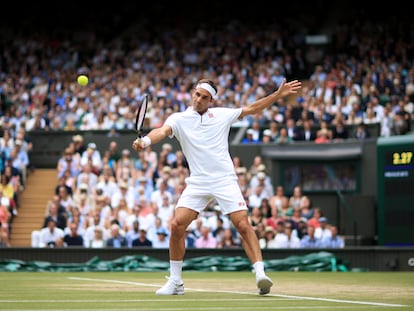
(83, 80)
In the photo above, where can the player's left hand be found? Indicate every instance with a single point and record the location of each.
(291, 87)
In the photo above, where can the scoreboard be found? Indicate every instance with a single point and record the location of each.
(395, 160)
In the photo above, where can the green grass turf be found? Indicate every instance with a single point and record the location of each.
(206, 291)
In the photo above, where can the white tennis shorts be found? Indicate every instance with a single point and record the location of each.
(227, 193)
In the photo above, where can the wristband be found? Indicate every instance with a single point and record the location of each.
(147, 141)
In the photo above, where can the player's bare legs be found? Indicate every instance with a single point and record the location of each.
(182, 219)
(251, 246)
(249, 237)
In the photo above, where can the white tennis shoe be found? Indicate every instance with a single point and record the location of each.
(264, 283)
(172, 287)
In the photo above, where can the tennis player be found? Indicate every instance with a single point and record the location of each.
(203, 136)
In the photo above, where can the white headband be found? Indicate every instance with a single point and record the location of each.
(208, 88)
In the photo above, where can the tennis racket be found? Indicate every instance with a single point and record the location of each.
(140, 117)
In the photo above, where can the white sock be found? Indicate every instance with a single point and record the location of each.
(259, 268)
(176, 267)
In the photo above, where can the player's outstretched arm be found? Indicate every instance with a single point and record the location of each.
(153, 137)
(285, 89)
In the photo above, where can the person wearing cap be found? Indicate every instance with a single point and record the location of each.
(263, 180)
(249, 138)
(161, 239)
(125, 192)
(203, 134)
(323, 231)
(92, 156)
(267, 136)
(269, 237)
(78, 144)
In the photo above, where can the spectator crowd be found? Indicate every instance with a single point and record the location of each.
(117, 199)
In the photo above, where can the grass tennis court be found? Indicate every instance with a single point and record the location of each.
(206, 291)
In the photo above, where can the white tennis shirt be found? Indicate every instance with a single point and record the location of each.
(204, 141)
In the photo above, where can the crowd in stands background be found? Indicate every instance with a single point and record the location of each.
(120, 200)
(362, 77)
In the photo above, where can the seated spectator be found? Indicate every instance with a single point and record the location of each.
(322, 137)
(334, 240)
(133, 230)
(340, 132)
(249, 138)
(23, 157)
(7, 143)
(307, 132)
(324, 130)
(98, 240)
(7, 195)
(297, 197)
(309, 240)
(15, 182)
(280, 238)
(273, 129)
(18, 163)
(142, 240)
(62, 183)
(92, 156)
(361, 132)
(306, 208)
(267, 136)
(125, 192)
(84, 199)
(268, 238)
(49, 236)
(90, 236)
(4, 236)
(290, 238)
(402, 118)
(73, 238)
(117, 239)
(283, 137)
(57, 213)
(161, 239)
(68, 162)
(206, 240)
(228, 240)
(314, 221)
(167, 156)
(323, 231)
(292, 130)
(274, 218)
(79, 144)
(256, 197)
(190, 238)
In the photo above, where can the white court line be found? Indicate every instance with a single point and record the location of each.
(195, 309)
(379, 304)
